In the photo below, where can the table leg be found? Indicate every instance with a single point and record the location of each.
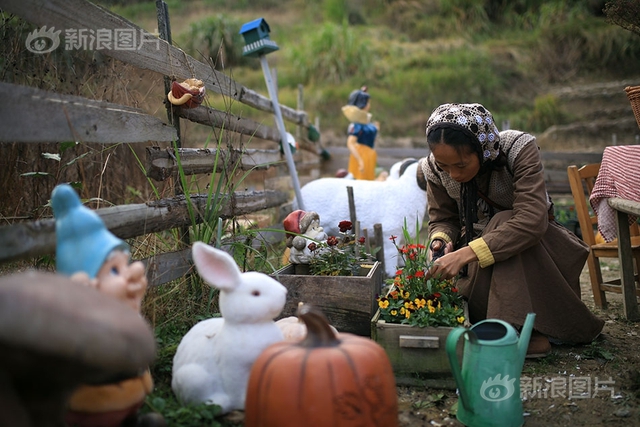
(626, 267)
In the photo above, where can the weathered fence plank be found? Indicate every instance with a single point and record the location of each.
(162, 162)
(73, 118)
(151, 53)
(37, 238)
(166, 267)
(223, 120)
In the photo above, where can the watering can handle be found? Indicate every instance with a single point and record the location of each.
(452, 353)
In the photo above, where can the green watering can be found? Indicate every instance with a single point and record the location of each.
(489, 380)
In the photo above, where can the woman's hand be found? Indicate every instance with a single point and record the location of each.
(438, 248)
(450, 264)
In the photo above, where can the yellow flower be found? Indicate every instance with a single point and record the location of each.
(406, 295)
(420, 303)
(432, 309)
(383, 304)
(402, 310)
(394, 312)
(407, 313)
(460, 319)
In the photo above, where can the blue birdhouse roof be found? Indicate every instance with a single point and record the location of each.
(256, 38)
(255, 24)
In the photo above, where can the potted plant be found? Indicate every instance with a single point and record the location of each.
(415, 316)
(338, 276)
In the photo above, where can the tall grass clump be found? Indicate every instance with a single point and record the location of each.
(547, 111)
(332, 54)
(216, 40)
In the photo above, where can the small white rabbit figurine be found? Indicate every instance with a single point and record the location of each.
(214, 359)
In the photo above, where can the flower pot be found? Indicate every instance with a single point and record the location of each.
(348, 302)
(418, 355)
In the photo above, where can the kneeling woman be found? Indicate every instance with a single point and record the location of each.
(489, 209)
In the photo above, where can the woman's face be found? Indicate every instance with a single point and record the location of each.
(462, 166)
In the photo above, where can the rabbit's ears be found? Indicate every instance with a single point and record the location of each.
(215, 266)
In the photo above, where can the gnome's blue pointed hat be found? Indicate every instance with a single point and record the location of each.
(82, 240)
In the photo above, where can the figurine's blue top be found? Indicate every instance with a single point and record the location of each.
(82, 240)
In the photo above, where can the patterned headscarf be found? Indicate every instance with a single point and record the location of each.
(478, 123)
(473, 119)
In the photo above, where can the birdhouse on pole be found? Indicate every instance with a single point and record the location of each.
(256, 38)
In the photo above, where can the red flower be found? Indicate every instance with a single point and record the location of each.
(345, 226)
(332, 241)
(454, 289)
(312, 246)
(420, 273)
(393, 238)
(437, 295)
(361, 240)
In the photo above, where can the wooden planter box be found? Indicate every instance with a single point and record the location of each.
(418, 355)
(347, 301)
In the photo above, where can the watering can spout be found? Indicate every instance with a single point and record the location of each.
(525, 335)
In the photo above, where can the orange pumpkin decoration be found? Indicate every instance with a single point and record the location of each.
(327, 379)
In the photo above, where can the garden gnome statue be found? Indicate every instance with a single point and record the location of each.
(91, 255)
(307, 224)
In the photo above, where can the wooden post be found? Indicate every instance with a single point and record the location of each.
(352, 205)
(377, 232)
(164, 32)
(300, 107)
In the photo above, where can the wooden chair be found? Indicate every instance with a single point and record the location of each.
(580, 180)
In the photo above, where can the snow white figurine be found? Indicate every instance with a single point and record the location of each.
(362, 135)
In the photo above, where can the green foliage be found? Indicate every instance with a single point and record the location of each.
(332, 54)
(546, 112)
(339, 255)
(216, 40)
(469, 14)
(335, 11)
(595, 350)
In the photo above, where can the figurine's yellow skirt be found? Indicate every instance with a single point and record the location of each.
(370, 157)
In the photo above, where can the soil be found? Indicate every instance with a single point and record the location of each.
(609, 370)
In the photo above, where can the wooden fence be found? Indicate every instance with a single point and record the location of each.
(73, 118)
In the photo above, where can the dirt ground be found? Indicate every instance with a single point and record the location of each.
(588, 385)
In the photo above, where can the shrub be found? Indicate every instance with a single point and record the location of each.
(332, 55)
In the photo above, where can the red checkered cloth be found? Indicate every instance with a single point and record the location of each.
(619, 176)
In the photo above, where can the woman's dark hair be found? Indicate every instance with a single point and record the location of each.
(463, 142)
(457, 138)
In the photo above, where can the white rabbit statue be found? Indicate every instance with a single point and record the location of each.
(214, 359)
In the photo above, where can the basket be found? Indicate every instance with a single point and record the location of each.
(633, 93)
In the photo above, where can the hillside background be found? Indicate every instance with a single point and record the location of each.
(543, 66)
